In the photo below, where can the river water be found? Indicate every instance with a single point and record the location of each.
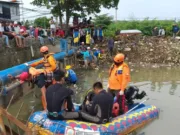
(161, 85)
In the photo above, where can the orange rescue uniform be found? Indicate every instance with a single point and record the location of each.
(119, 77)
(49, 63)
(50, 66)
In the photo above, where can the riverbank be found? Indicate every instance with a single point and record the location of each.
(145, 51)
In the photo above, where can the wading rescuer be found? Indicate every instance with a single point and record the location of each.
(119, 77)
(71, 76)
(43, 77)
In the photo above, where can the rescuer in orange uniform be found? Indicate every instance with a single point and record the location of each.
(44, 76)
(119, 77)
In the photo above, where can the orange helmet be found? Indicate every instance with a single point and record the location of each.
(119, 58)
(44, 49)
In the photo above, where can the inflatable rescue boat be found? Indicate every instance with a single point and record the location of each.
(138, 116)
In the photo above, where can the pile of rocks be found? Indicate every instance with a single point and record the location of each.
(150, 50)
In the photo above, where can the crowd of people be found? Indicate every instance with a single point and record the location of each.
(161, 31)
(15, 30)
(87, 35)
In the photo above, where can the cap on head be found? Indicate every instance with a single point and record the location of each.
(44, 49)
(119, 58)
(68, 67)
(88, 48)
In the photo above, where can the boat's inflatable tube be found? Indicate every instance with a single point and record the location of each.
(118, 125)
(16, 70)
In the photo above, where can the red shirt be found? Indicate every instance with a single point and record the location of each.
(23, 27)
(60, 33)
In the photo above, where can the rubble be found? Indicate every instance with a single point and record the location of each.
(152, 50)
(144, 51)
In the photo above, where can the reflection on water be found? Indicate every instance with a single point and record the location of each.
(162, 86)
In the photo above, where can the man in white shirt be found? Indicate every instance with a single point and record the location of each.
(52, 26)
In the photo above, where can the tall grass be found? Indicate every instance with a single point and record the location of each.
(145, 26)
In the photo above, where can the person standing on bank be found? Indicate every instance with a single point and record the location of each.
(111, 46)
(59, 102)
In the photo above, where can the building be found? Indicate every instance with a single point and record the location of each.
(9, 10)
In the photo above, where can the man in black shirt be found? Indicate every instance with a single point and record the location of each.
(99, 110)
(57, 96)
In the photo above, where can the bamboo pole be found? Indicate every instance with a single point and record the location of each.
(2, 127)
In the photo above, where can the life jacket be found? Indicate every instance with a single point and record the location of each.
(76, 34)
(116, 76)
(72, 76)
(45, 60)
(46, 63)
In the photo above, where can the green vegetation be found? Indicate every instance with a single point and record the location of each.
(69, 8)
(103, 20)
(145, 26)
(42, 21)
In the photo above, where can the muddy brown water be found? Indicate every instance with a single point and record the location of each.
(161, 84)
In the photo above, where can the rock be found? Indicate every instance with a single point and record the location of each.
(127, 49)
(169, 58)
(150, 44)
(177, 37)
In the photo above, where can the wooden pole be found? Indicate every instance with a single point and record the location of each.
(2, 127)
(15, 121)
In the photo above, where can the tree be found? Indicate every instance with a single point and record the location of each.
(71, 7)
(103, 20)
(42, 21)
(27, 24)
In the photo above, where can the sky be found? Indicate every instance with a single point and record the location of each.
(130, 9)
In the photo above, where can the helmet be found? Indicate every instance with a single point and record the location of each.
(44, 49)
(23, 76)
(88, 48)
(119, 58)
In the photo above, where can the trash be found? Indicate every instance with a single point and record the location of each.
(127, 49)
(143, 51)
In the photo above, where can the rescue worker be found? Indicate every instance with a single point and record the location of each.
(71, 76)
(76, 36)
(59, 102)
(119, 77)
(43, 77)
(86, 57)
(100, 34)
(99, 110)
(88, 38)
(97, 55)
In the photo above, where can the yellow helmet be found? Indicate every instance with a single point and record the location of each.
(68, 67)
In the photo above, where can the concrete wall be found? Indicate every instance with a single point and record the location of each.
(13, 56)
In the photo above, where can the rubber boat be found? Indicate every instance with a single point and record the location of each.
(121, 125)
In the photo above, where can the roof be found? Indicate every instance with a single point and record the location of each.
(5, 20)
(130, 32)
(10, 1)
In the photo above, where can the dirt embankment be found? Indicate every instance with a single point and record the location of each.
(150, 50)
